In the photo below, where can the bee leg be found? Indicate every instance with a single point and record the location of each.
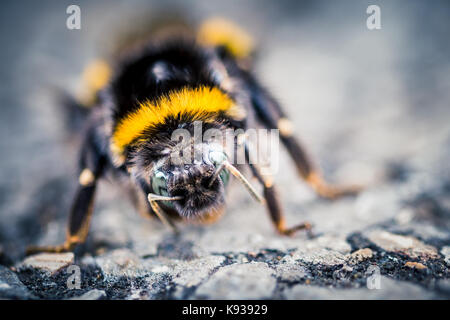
(276, 213)
(311, 174)
(162, 215)
(93, 164)
(274, 206)
(272, 116)
(80, 216)
(273, 203)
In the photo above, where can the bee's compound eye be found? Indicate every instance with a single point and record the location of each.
(225, 177)
(159, 183)
(217, 158)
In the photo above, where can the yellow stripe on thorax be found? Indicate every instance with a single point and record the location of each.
(202, 103)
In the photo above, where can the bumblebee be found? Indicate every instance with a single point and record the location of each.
(172, 81)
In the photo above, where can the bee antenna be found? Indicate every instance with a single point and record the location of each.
(216, 174)
(157, 197)
(152, 198)
(235, 172)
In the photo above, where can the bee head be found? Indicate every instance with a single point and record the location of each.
(195, 180)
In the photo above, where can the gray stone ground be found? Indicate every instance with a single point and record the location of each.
(371, 106)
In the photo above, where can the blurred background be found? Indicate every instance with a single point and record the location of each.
(371, 106)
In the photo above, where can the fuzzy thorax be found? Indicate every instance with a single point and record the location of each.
(202, 103)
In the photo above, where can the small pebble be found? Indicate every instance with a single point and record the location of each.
(49, 262)
(91, 295)
(415, 265)
(360, 255)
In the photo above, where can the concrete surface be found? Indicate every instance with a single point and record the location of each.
(371, 106)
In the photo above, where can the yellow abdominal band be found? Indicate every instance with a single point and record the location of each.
(201, 103)
(221, 32)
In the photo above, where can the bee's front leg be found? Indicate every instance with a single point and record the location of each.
(276, 212)
(273, 203)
